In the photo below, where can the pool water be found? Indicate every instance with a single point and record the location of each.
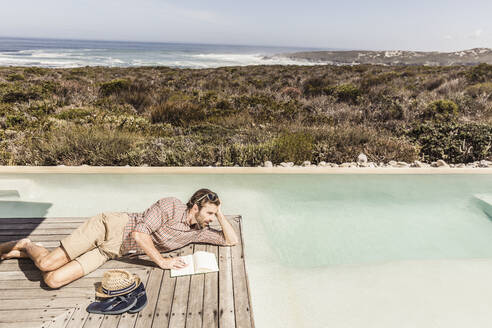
(336, 250)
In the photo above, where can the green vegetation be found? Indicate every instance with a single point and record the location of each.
(244, 116)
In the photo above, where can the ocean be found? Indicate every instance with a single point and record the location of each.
(77, 53)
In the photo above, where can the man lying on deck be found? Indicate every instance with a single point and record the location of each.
(166, 225)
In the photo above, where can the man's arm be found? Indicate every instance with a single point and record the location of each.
(229, 233)
(144, 241)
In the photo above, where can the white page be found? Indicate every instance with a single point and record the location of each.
(189, 269)
(205, 262)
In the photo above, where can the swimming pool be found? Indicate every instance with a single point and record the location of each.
(339, 250)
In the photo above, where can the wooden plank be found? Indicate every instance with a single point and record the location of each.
(47, 220)
(211, 294)
(79, 315)
(39, 225)
(28, 293)
(93, 320)
(165, 300)
(27, 264)
(241, 300)
(240, 220)
(195, 299)
(180, 299)
(37, 275)
(144, 318)
(41, 303)
(226, 297)
(27, 324)
(30, 232)
(62, 320)
(30, 315)
(34, 238)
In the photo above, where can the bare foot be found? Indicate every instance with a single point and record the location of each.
(13, 254)
(19, 245)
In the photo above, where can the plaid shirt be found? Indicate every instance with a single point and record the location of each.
(165, 222)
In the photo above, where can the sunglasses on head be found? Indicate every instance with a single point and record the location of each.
(211, 197)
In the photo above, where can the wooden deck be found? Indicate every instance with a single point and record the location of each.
(219, 299)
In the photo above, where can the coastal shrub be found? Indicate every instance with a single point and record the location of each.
(480, 89)
(317, 86)
(17, 120)
(113, 87)
(343, 143)
(36, 70)
(480, 73)
(180, 112)
(441, 110)
(249, 154)
(77, 145)
(347, 93)
(371, 80)
(74, 113)
(293, 147)
(433, 84)
(15, 77)
(454, 142)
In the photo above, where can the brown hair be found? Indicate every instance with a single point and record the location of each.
(200, 195)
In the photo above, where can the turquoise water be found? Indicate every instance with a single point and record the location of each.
(300, 231)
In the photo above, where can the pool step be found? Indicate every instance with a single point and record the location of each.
(485, 202)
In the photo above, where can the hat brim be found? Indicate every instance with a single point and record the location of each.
(101, 294)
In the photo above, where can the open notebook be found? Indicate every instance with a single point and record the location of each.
(200, 262)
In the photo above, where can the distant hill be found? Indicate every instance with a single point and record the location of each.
(392, 58)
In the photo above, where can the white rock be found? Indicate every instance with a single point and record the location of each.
(345, 165)
(283, 164)
(461, 165)
(362, 158)
(322, 163)
(441, 163)
(306, 163)
(334, 165)
(290, 164)
(485, 163)
(268, 164)
(392, 163)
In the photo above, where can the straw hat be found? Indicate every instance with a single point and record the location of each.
(117, 282)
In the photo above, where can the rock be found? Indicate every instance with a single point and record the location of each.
(283, 164)
(322, 164)
(290, 164)
(471, 165)
(392, 163)
(268, 164)
(362, 158)
(451, 165)
(460, 166)
(345, 165)
(441, 163)
(485, 163)
(402, 164)
(306, 163)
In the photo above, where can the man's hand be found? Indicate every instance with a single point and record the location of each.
(172, 263)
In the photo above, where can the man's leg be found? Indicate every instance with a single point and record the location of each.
(64, 275)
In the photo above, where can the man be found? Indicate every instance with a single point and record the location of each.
(166, 225)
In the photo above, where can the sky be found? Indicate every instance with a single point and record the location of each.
(360, 25)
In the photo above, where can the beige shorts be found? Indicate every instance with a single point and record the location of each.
(97, 240)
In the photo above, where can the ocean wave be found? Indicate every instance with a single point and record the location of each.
(66, 58)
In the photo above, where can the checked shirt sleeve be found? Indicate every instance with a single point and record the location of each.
(153, 217)
(211, 236)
